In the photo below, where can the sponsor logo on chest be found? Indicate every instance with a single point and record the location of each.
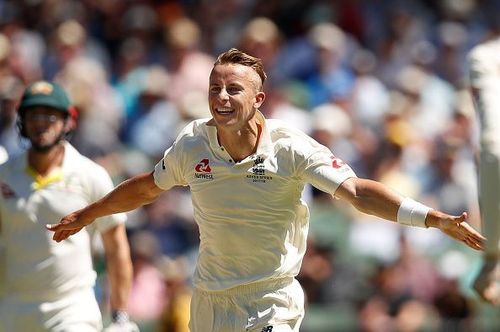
(256, 173)
(203, 170)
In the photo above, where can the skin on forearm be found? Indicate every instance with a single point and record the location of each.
(118, 266)
(370, 197)
(374, 198)
(129, 195)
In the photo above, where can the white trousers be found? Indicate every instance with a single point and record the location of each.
(271, 306)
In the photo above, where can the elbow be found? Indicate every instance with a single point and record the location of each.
(148, 197)
(153, 192)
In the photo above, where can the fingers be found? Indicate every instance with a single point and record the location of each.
(68, 226)
(61, 226)
(473, 244)
(60, 235)
(60, 231)
(63, 234)
(65, 224)
(53, 227)
(463, 232)
(471, 232)
(472, 237)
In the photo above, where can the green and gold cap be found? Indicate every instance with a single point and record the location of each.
(43, 93)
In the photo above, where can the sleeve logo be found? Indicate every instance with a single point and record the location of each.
(336, 162)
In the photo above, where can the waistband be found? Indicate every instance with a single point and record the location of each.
(268, 285)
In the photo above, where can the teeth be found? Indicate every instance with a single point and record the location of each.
(224, 110)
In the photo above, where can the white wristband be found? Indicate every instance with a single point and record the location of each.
(412, 213)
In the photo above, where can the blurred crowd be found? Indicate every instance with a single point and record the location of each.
(382, 83)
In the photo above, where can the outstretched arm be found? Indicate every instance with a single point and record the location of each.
(130, 194)
(374, 198)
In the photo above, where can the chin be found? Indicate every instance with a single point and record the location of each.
(41, 148)
(224, 122)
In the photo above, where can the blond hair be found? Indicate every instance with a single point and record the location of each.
(235, 56)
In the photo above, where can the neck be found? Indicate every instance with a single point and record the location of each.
(45, 162)
(241, 143)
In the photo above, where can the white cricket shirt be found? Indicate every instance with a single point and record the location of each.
(484, 60)
(253, 223)
(38, 269)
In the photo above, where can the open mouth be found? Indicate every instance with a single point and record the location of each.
(224, 110)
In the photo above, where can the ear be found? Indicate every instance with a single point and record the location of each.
(70, 124)
(71, 121)
(259, 99)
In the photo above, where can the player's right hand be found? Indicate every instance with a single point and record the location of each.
(69, 225)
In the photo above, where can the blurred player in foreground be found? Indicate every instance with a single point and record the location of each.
(246, 175)
(49, 287)
(484, 62)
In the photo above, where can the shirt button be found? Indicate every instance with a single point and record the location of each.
(230, 160)
(222, 148)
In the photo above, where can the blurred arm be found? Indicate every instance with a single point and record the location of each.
(118, 266)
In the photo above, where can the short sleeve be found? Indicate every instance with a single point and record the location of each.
(168, 171)
(322, 169)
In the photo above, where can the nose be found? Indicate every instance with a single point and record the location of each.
(223, 95)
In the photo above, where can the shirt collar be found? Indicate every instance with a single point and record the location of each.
(264, 146)
(56, 175)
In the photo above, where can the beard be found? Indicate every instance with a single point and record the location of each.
(45, 148)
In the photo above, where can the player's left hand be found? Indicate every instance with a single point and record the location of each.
(457, 228)
(122, 327)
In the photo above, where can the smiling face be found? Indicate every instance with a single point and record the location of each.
(44, 127)
(234, 95)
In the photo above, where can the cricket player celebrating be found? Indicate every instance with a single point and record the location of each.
(246, 175)
(484, 62)
(49, 287)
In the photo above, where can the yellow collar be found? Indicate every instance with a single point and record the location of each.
(43, 181)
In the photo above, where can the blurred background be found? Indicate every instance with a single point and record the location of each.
(382, 83)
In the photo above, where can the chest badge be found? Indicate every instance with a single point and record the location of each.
(259, 171)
